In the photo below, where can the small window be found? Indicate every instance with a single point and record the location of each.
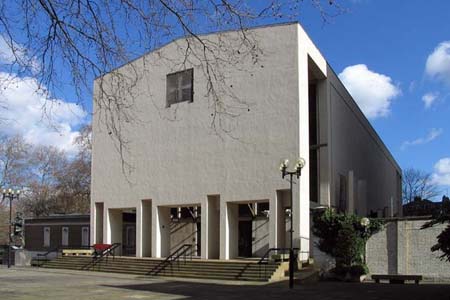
(85, 236)
(46, 236)
(65, 236)
(180, 87)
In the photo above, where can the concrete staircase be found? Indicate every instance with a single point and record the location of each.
(207, 269)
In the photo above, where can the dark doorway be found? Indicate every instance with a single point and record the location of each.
(245, 238)
(129, 234)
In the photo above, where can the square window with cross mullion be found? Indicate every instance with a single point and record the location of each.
(180, 87)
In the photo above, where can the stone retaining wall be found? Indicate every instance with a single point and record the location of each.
(401, 247)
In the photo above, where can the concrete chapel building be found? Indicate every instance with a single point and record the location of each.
(224, 193)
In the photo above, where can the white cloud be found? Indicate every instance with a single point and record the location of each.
(431, 136)
(27, 111)
(438, 63)
(441, 175)
(13, 53)
(372, 91)
(6, 54)
(429, 98)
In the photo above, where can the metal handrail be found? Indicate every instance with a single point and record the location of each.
(97, 258)
(265, 258)
(283, 250)
(39, 255)
(174, 256)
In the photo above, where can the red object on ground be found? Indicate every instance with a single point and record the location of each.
(101, 247)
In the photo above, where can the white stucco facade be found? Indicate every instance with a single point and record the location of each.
(178, 160)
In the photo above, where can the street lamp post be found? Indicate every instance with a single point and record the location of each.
(297, 172)
(11, 195)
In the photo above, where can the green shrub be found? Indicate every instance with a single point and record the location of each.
(347, 249)
(343, 237)
(358, 270)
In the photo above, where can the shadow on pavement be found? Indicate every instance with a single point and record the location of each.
(319, 291)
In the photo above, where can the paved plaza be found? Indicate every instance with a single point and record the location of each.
(27, 283)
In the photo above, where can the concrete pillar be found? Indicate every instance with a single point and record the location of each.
(277, 227)
(300, 211)
(160, 231)
(229, 230)
(105, 225)
(139, 231)
(301, 190)
(351, 192)
(273, 225)
(210, 223)
(223, 231)
(324, 151)
(144, 229)
(97, 223)
(114, 228)
(93, 228)
(204, 229)
(394, 247)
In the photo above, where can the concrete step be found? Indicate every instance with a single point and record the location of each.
(187, 274)
(148, 262)
(248, 271)
(169, 269)
(180, 264)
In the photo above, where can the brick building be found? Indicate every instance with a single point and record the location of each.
(56, 231)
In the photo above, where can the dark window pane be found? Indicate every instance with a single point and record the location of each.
(313, 141)
(244, 210)
(264, 206)
(179, 87)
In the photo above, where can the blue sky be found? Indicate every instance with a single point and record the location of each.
(380, 49)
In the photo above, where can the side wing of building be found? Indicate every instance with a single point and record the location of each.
(365, 178)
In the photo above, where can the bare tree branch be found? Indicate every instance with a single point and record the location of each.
(418, 184)
(71, 42)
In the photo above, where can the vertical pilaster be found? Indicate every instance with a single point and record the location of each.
(97, 223)
(324, 156)
(139, 230)
(161, 231)
(205, 229)
(115, 228)
(224, 253)
(351, 192)
(277, 221)
(301, 190)
(211, 227)
(229, 230)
